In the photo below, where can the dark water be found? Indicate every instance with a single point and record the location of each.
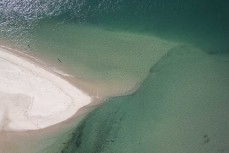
(197, 22)
(181, 48)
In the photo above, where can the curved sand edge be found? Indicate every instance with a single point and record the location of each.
(33, 98)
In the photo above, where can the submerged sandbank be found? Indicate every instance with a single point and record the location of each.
(33, 98)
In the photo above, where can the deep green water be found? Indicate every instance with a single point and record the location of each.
(177, 51)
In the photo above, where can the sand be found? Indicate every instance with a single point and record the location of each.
(33, 98)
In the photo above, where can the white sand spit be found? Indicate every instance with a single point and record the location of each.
(33, 98)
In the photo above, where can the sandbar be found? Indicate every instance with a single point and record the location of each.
(33, 98)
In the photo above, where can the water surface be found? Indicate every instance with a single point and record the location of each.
(176, 52)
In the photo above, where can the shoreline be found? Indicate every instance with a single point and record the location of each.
(97, 89)
(29, 59)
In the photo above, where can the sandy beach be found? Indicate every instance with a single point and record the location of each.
(33, 98)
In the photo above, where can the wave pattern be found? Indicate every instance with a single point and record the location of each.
(180, 19)
(17, 17)
(23, 12)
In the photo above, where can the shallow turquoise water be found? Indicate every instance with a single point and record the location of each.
(94, 53)
(177, 51)
(181, 107)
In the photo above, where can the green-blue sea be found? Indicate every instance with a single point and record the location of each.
(163, 66)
